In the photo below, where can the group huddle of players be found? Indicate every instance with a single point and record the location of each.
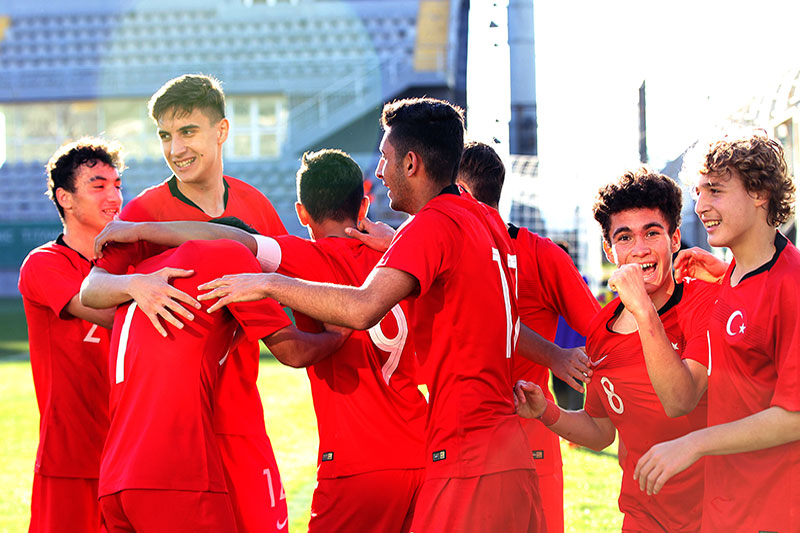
(144, 325)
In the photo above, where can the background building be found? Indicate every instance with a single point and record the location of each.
(298, 75)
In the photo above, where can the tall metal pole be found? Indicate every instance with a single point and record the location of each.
(522, 126)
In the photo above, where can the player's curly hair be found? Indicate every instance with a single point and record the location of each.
(184, 94)
(431, 128)
(760, 162)
(330, 185)
(86, 151)
(482, 170)
(642, 188)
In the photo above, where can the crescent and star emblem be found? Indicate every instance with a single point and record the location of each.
(741, 327)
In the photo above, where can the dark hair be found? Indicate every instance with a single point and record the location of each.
(235, 222)
(760, 162)
(643, 188)
(86, 151)
(483, 172)
(330, 185)
(433, 129)
(184, 94)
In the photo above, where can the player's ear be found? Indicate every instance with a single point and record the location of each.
(223, 128)
(302, 214)
(609, 252)
(64, 198)
(363, 209)
(411, 163)
(675, 240)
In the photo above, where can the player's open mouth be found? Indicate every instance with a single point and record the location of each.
(647, 267)
(711, 223)
(111, 212)
(185, 163)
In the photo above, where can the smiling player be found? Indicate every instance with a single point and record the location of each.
(640, 215)
(68, 350)
(752, 367)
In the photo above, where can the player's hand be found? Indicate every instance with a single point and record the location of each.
(377, 235)
(572, 367)
(115, 231)
(662, 462)
(234, 288)
(529, 400)
(157, 298)
(700, 264)
(628, 282)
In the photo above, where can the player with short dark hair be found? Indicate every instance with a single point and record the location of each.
(642, 234)
(548, 286)
(464, 331)
(68, 350)
(189, 112)
(751, 446)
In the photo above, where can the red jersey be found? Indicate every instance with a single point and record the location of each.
(464, 323)
(754, 335)
(621, 390)
(370, 413)
(162, 388)
(69, 363)
(238, 404)
(549, 286)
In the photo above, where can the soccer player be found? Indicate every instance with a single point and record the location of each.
(68, 341)
(548, 286)
(464, 331)
(640, 218)
(751, 448)
(190, 114)
(161, 469)
(370, 413)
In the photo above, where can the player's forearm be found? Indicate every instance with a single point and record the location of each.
(174, 234)
(342, 305)
(582, 429)
(102, 290)
(677, 388)
(766, 429)
(533, 346)
(101, 317)
(300, 349)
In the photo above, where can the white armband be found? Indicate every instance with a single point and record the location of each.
(269, 253)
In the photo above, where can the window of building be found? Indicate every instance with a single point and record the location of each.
(258, 126)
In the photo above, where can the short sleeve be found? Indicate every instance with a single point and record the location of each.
(260, 319)
(49, 278)
(424, 247)
(594, 406)
(786, 331)
(118, 257)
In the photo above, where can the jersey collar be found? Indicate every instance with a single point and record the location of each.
(674, 300)
(780, 244)
(61, 242)
(450, 189)
(173, 189)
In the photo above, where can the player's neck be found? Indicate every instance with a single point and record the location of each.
(80, 238)
(330, 228)
(752, 250)
(207, 195)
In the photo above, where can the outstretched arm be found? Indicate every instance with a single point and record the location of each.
(575, 426)
(570, 365)
(169, 234)
(768, 428)
(352, 307)
(679, 383)
(101, 317)
(152, 293)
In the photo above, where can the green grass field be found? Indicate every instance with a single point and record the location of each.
(591, 479)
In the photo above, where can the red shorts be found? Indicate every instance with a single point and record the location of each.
(373, 501)
(56, 501)
(505, 501)
(156, 511)
(546, 451)
(254, 483)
